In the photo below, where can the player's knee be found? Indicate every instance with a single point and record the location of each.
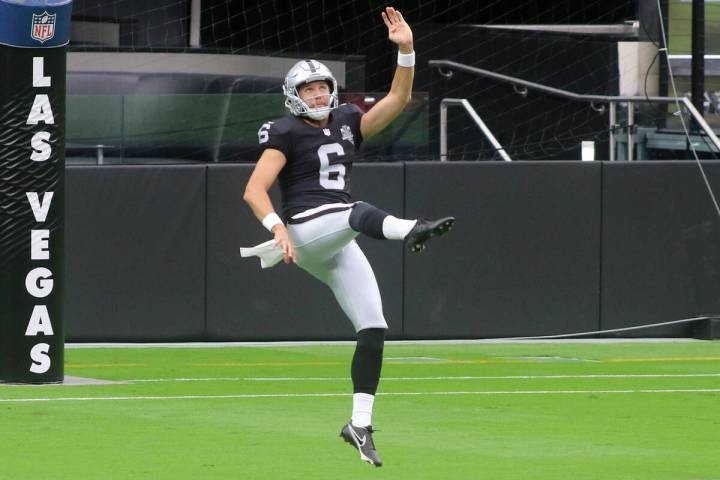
(371, 338)
(367, 219)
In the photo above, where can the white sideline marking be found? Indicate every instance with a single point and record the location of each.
(498, 377)
(388, 394)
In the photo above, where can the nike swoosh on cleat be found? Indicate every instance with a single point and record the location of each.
(357, 437)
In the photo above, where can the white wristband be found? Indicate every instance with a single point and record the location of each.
(406, 59)
(270, 220)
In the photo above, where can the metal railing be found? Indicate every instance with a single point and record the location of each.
(446, 68)
(447, 102)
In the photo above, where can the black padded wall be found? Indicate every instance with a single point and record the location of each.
(245, 302)
(660, 256)
(522, 259)
(135, 247)
(152, 253)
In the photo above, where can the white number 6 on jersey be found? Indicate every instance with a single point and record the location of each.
(263, 134)
(337, 183)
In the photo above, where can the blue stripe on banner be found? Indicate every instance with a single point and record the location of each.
(35, 23)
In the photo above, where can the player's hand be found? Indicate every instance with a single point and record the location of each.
(282, 239)
(398, 31)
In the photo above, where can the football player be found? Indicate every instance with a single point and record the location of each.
(310, 153)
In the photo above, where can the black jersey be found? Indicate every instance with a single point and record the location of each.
(319, 160)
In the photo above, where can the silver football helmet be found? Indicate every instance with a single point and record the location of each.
(303, 72)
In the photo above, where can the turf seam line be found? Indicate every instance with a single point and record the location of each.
(499, 377)
(388, 342)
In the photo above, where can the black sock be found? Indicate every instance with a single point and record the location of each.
(368, 219)
(367, 360)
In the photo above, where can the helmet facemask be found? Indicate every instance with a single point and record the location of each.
(303, 72)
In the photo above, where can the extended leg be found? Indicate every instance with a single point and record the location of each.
(376, 223)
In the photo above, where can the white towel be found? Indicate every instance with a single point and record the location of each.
(269, 253)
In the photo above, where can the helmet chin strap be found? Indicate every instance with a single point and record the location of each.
(321, 115)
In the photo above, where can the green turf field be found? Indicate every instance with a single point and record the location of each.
(491, 411)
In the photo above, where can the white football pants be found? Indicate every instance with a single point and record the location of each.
(326, 248)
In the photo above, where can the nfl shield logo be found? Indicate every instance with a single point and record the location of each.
(43, 27)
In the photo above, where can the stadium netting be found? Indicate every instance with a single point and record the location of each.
(567, 45)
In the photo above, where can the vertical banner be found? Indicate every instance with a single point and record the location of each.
(33, 39)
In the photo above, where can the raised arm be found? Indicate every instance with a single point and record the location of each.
(256, 195)
(387, 109)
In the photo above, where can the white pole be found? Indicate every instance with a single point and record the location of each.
(195, 14)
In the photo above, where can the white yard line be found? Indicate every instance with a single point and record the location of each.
(388, 342)
(295, 395)
(95, 382)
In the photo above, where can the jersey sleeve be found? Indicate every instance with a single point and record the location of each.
(273, 135)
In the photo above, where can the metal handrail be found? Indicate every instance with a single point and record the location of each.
(610, 99)
(447, 102)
